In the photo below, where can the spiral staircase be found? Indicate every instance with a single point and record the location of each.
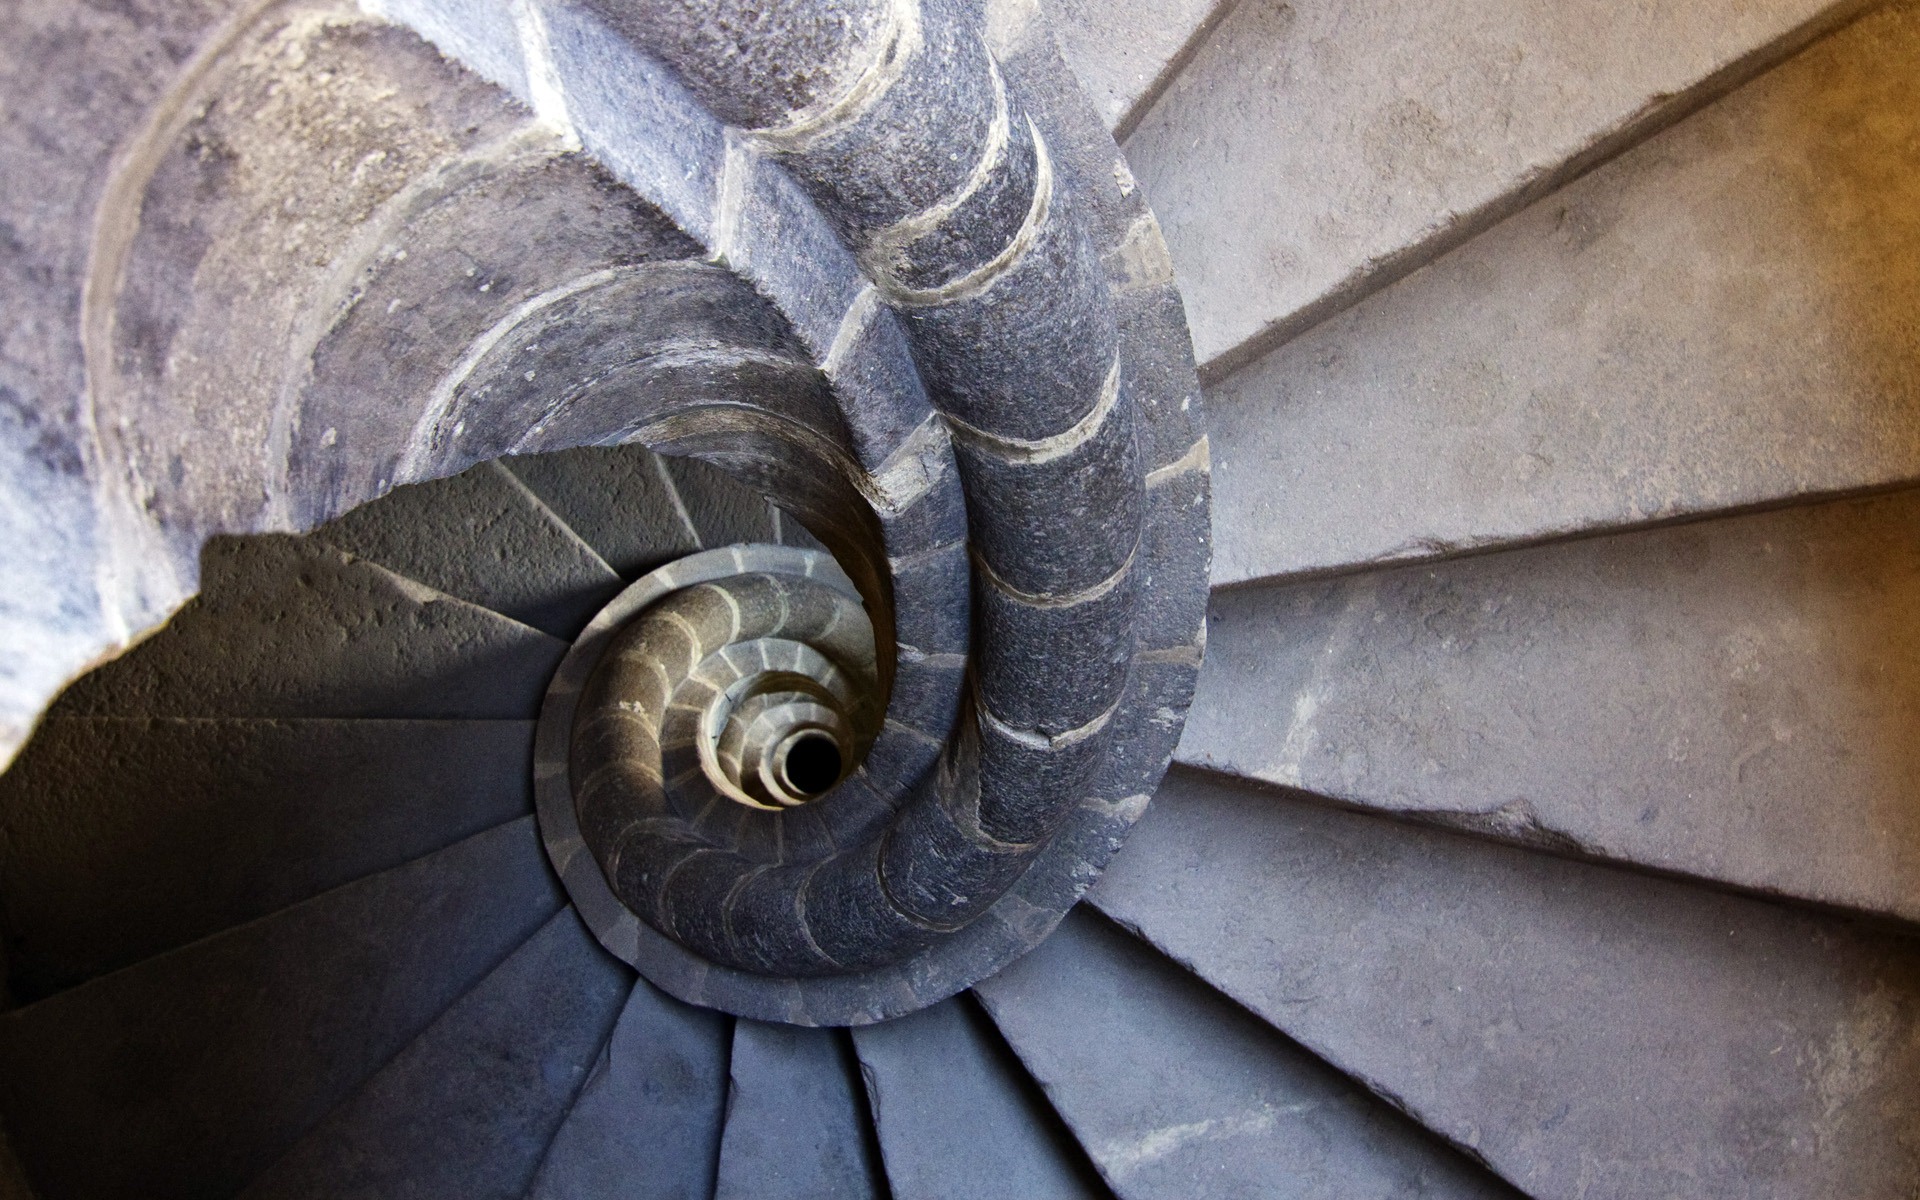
(596, 591)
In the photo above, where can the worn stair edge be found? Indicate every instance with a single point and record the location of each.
(797, 1126)
(1127, 52)
(121, 838)
(469, 1107)
(186, 1085)
(1578, 1026)
(957, 1116)
(290, 627)
(647, 1123)
(484, 537)
(1178, 1094)
(1386, 179)
(1730, 701)
(1718, 320)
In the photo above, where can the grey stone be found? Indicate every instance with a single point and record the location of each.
(1721, 317)
(721, 511)
(1175, 1092)
(1127, 51)
(797, 1128)
(619, 499)
(1733, 700)
(958, 1118)
(186, 1075)
(122, 838)
(1311, 152)
(483, 537)
(78, 81)
(647, 1123)
(293, 628)
(1585, 1029)
(469, 1107)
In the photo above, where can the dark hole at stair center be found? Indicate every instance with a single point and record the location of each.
(813, 764)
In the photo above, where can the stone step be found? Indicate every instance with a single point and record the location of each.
(1311, 152)
(124, 838)
(958, 1118)
(619, 499)
(187, 1075)
(1126, 52)
(1180, 1095)
(797, 1123)
(1720, 318)
(469, 1107)
(290, 627)
(483, 537)
(1733, 700)
(647, 1123)
(1588, 1030)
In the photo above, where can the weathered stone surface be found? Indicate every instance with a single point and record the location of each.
(469, 1107)
(291, 628)
(1586, 1029)
(1126, 51)
(483, 537)
(121, 838)
(1723, 316)
(1177, 1093)
(78, 80)
(169, 1079)
(1311, 152)
(1733, 699)
(648, 1120)
(958, 1118)
(620, 499)
(796, 1122)
(721, 511)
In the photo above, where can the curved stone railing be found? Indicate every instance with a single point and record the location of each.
(878, 259)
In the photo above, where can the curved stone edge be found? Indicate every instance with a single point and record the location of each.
(1170, 634)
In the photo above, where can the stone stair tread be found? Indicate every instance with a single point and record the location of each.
(121, 838)
(1586, 1029)
(647, 1123)
(796, 1126)
(1125, 51)
(618, 499)
(484, 537)
(470, 1106)
(1177, 1093)
(290, 627)
(1733, 700)
(193, 1071)
(1719, 318)
(721, 509)
(1310, 152)
(957, 1116)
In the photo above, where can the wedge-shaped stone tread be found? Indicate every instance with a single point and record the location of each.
(1734, 699)
(121, 838)
(1721, 317)
(647, 1123)
(797, 1126)
(187, 1075)
(958, 1117)
(1125, 51)
(469, 1107)
(1587, 1029)
(721, 510)
(1177, 1093)
(620, 499)
(483, 537)
(1312, 151)
(289, 627)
